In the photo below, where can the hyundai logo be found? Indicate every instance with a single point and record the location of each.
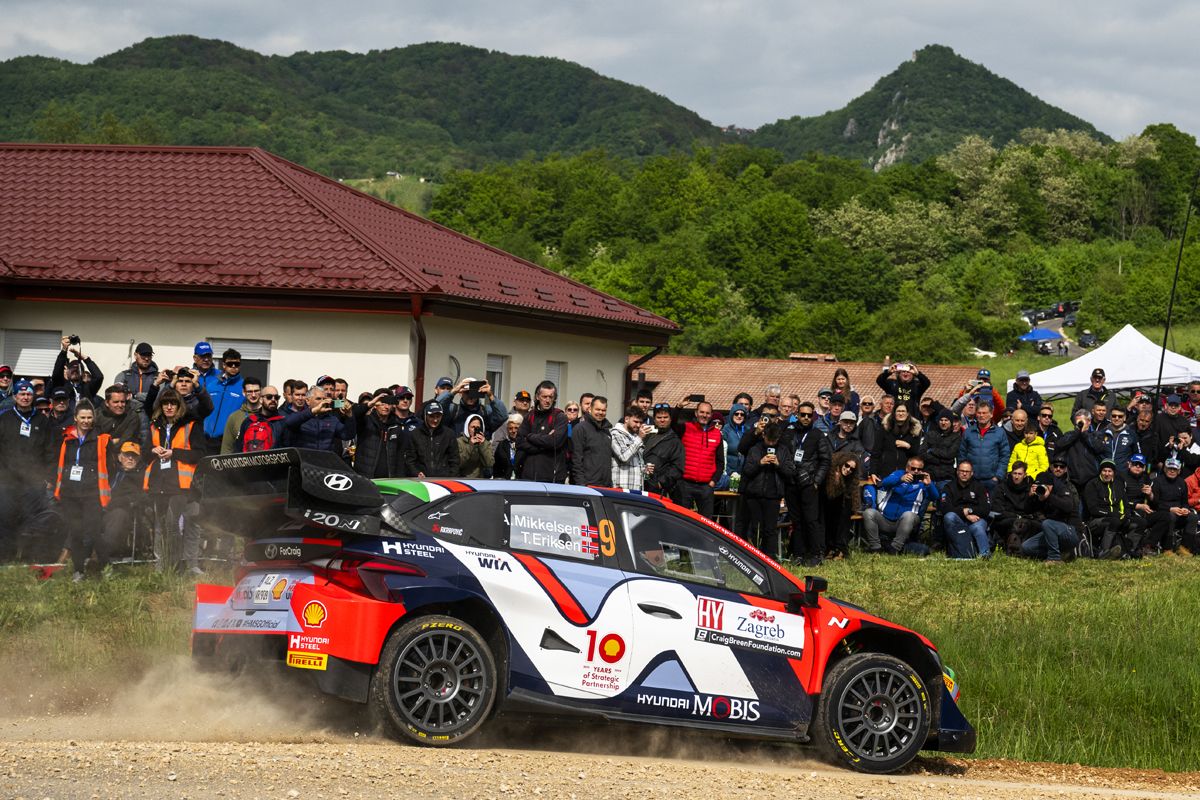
(270, 551)
(338, 482)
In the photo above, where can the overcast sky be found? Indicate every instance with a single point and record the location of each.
(1119, 65)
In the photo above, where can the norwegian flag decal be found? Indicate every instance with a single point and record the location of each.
(591, 540)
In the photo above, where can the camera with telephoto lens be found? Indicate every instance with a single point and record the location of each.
(73, 339)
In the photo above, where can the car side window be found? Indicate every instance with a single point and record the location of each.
(564, 528)
(475, 518)
(671, 547)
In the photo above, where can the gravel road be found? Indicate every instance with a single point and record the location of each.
(181, 735)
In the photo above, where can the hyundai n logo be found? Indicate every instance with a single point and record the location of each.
(338, 482)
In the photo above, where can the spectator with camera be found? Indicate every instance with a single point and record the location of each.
(982, 390)
(900, 500)
(1059, 505)
(379, 450)
(139, 377)
(1015, 505)
(1171, 422)
(542, 439)
(1105, 513)
(1173, 522)
(985, 446)
(195, 399)
(1183, 447)
(262, 429)
(176, 446)
(769, 468)
(1082, 451)
(472, 396)
(432, 450)
(965, 522)
(663, 454)
(506, 459)
(813, 457)
(475, 457)
(627, 440)
(591, 462)
(69, 375)
(904, 382)
(323, 425)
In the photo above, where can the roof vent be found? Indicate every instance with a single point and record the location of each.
(299, 265)
(33, 264)
(197, 261)
(94, 257)
(437, 273)
(338, 274)
(134, 268)
(231, 270)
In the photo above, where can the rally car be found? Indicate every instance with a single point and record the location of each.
(441, 603)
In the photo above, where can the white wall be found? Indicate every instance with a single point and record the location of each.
(368, 350)
(593, 365)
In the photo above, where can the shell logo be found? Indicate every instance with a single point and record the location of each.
(612, 648)
(314, 614)
(277, 589)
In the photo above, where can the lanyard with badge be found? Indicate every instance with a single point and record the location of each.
(26, 423)
(77, 469)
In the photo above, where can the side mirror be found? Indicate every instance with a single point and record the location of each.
(813, 588)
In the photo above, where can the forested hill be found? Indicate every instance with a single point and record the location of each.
(922, 109)
(423, 108)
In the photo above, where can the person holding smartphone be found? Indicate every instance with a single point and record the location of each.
(767, 470)
(319, 427)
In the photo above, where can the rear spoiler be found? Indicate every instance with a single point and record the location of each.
(260, 494)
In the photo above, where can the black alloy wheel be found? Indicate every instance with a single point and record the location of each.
(873, 715)
(436, 681)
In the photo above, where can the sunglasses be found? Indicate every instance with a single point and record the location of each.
(573, 408)
(269, 396)
(868, 405)
(804, 414)
(1047, 416)
(232, 363)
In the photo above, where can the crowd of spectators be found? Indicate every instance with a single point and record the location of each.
(80, 470)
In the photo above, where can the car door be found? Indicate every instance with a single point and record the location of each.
(557, 584)
(710, 644)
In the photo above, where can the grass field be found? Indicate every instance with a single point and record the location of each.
(407, 192)
(1092, 662)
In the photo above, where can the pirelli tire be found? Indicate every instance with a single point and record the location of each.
(435, 683)
(873, 715)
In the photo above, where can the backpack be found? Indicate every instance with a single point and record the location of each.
(259, 435)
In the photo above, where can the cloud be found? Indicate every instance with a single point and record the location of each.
(748, 62)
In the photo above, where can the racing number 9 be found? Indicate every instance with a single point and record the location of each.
(608, 538)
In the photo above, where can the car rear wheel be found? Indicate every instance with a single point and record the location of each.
(873, 715)
(436, 681)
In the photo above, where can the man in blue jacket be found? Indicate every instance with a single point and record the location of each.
(900, 500)
(986, 446)
(227, 391)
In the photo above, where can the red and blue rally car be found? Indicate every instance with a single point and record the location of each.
(440, 604)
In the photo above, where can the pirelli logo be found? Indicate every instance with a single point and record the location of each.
(307, 660)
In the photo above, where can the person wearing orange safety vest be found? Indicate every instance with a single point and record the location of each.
(81, 487)
(175, 448)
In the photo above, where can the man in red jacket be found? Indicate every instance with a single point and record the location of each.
(703, 460)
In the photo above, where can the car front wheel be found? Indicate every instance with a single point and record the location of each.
(873, 715)
(436, 681)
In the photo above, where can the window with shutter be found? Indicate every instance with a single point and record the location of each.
(31, 353)
(256, 356)
(496, 368)
(556, 372)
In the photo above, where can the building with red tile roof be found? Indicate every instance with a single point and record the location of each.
(172, 245)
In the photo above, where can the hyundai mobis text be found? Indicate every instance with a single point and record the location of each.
(440, 604)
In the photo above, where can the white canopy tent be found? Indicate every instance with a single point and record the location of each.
(1129, 360)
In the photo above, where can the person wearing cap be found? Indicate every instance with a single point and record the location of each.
(127, 509)
(42, 405)
(7, 395)
(70, 375)
(28, 444)
(227, 390)
(662, 453)
(904, 382)
(382, 437)
(828, 423)
(432, 451)
(115, 419)
(202, 361)
(319, 426)
(1031, 450)
(790, 403)
(139, 377)
(1171, 422)
(1106, 514)
(591, 443)
(736, 426)
(1137, 484)
(1082, 450)
(1023, 396)
(251, 403)
(404, 414)
(60, 412)
(1058, 503)
(1173, 522)
(981, 389)
(262, 429)
(845, 436)
(442, 392)
(1097, 391)
(522, 402)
